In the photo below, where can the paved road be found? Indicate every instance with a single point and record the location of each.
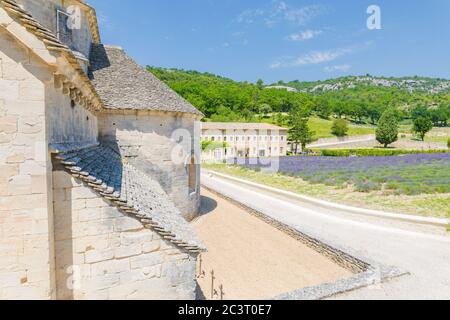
(340, 143)
(422, 251)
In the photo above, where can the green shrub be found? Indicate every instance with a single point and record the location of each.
(335, 153)
(367, 186)
(339, 128)
(213, 145)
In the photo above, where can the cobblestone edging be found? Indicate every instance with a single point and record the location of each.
(339, 257)
(368, 278)
(365, 273)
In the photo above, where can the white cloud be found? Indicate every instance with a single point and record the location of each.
(317, 57)
(279, 11)
(304, 35)
(301, 16)
(338, 68)
(249, 16)
(313, 57)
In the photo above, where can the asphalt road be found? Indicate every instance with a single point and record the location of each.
(340, 143)
(424, 252)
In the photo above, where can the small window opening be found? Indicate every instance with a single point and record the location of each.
(63, 30)
(192, 175)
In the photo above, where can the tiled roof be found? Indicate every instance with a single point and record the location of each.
(131, 191)
(51, 42)
(123, 84)
(239, 126)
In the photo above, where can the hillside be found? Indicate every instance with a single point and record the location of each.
(222, 99)
(410, 84)
(359, 99)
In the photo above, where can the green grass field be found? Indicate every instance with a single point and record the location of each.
(322, 128)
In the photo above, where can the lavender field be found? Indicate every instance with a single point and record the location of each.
(409, 174)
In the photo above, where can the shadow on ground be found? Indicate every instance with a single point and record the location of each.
(207, 205)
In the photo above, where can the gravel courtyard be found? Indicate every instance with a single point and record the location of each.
(252, 259)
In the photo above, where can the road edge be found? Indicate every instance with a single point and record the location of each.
(366, 272)
(441, 222)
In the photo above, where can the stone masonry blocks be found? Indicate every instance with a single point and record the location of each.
(105, 254)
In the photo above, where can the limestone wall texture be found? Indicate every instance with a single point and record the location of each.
(67, 121)
(33, 113)
(26, 234)
(103, 254)
(45, 12)
(148, 139)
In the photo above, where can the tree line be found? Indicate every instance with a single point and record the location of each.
(225, 100)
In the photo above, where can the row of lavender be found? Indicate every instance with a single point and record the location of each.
(408, 174)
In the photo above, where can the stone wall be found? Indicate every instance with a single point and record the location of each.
(45, 12)
(26, 234)
(146, 138)
(103, 254)
(67, 121)
(33, 113)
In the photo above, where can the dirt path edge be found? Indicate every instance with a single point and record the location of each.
(367, 273)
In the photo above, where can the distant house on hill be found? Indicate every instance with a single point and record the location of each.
(94, 201)
(243, 140)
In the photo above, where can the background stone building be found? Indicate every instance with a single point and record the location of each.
(92, 205)
(244, 140)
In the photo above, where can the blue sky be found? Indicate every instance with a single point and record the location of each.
(282, 40)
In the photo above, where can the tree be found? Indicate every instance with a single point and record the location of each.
(300, 134)
(260, 84)
(339, 128)
(265, 109)
(322, 107)
(387, 130)
(418, 112)
(374, 113)
(421, 126)
(440, 116)
(247, 115)
(280, 119)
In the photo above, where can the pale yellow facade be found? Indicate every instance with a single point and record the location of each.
(243, 140)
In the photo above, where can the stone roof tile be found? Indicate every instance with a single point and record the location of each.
(123, 84)
(130, 190)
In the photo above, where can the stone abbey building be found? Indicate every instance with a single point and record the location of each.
(244, 140)
(93, 204)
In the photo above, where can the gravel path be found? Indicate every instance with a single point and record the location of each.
(412, 248)
(252, 259)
